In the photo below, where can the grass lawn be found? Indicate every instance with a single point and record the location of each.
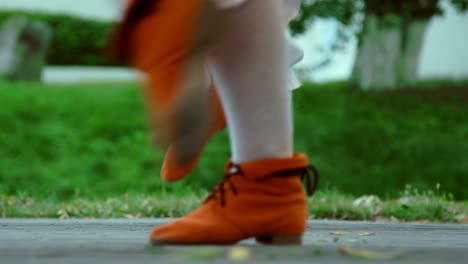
(79, 149)
(411, 206)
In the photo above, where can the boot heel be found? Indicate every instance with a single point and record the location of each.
(280, 240)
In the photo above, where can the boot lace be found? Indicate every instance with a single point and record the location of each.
(219, 192)
(219, 189)
(304, 173)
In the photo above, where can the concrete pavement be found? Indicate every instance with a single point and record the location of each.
(125, 241)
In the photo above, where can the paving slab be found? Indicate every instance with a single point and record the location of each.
(126, 241)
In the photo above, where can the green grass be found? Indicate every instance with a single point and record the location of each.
(379, 142)
(66, 143)
(411, 206)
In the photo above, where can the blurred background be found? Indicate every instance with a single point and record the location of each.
(384, 103)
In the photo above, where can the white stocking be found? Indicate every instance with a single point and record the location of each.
(250, 71)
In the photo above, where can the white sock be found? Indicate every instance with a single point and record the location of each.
(250, 70)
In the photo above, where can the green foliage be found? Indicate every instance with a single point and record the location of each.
(342, 10)
(414, 205)
(92, 140)
(75, 41)
(346, 10)
(461, 5)
(415, 9)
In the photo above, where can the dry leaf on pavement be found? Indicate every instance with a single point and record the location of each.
(369, 254)
(363, 234)
(344, 233)
(340, 233)
(240, 254)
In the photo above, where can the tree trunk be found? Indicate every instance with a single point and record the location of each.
(411, 52)
(378, 53)
(388, 53)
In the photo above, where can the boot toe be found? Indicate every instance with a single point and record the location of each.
(197, 230)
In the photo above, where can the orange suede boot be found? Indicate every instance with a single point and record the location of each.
(260, 199)
(171, 169)
(170, 40)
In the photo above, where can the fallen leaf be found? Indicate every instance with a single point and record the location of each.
(370, 202)
(344, 233)
(129, 216)
(340, 233)
(240, 254)
(363, 234)
(463, 219)
(63, 214)
(369, 254)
